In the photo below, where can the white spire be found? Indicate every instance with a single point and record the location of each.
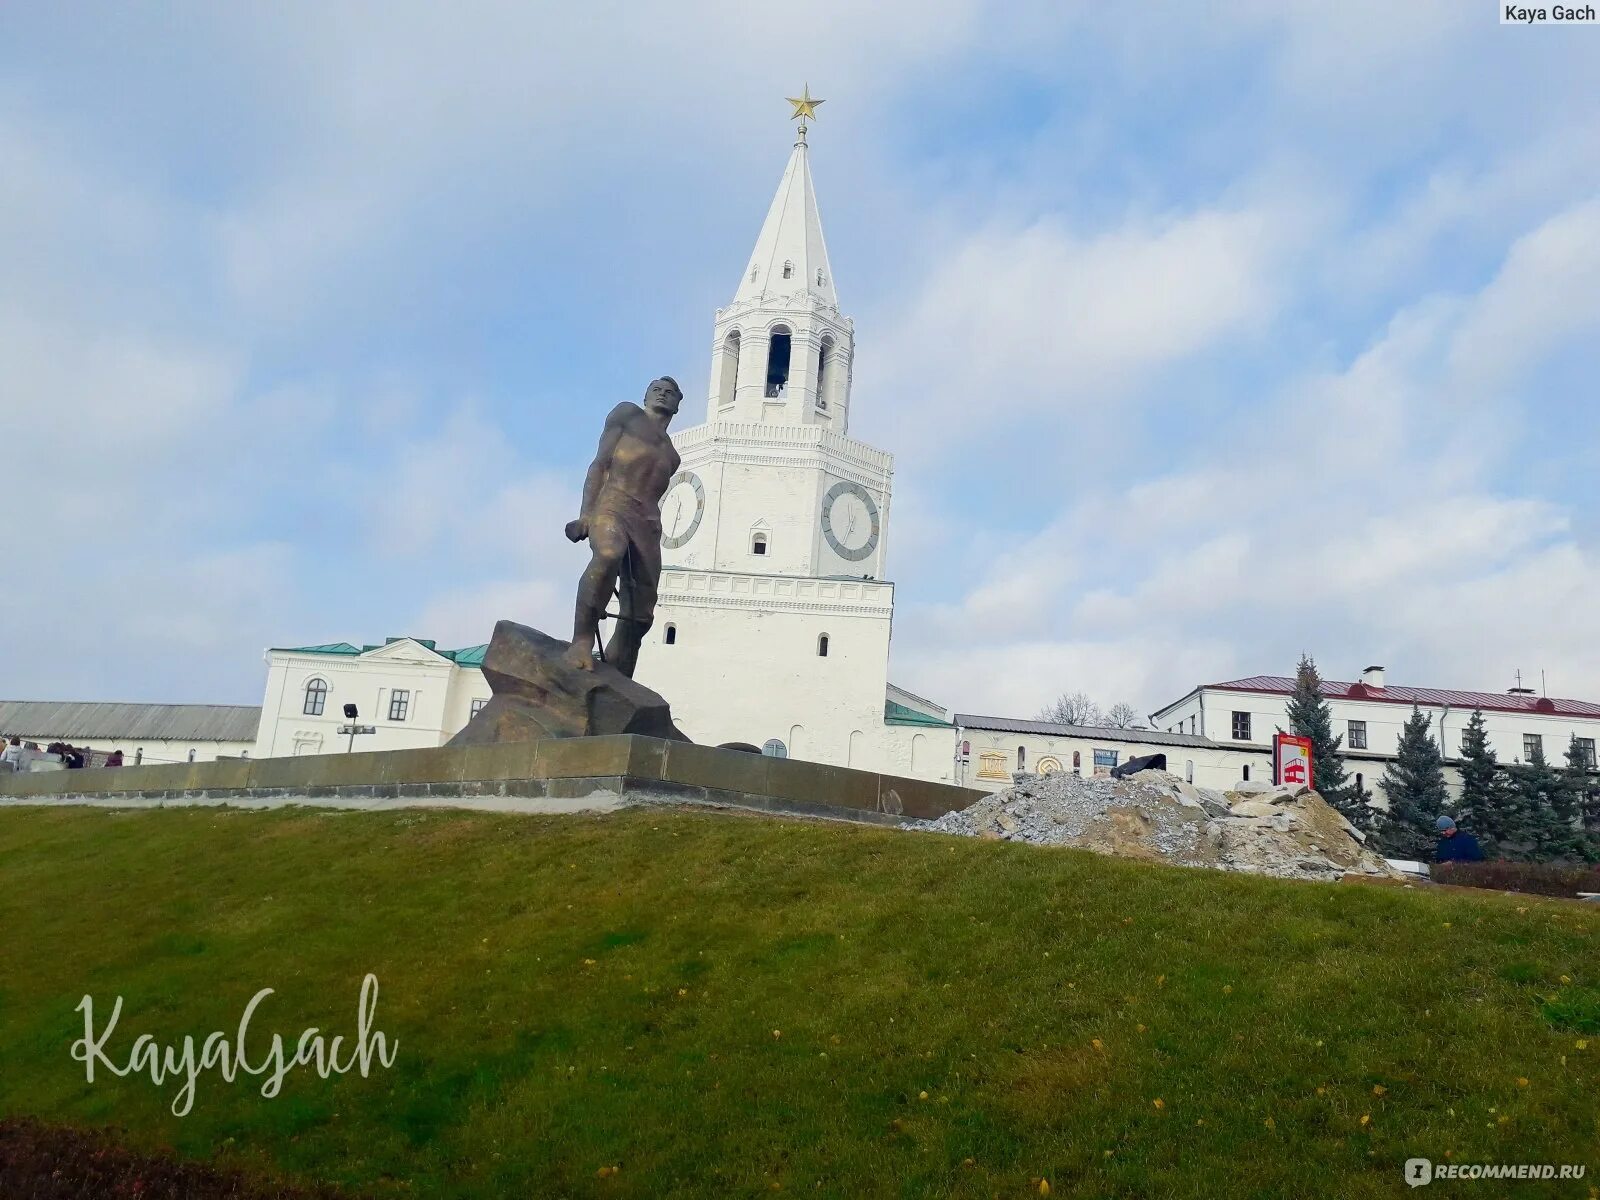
(791, 237)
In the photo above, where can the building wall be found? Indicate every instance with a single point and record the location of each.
(744, 667)
(439, 702)
(1214, 709)
(156, 752)
(774, 478)
(994, 758)
(917, 751)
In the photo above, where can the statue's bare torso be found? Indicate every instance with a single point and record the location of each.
(643, 460)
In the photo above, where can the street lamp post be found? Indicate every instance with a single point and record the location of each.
(350, 714)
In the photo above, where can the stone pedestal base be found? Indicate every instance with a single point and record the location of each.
(537, 694)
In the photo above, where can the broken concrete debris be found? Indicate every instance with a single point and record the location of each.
(1257, 827)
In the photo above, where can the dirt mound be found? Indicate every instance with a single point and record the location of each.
(1289, 832)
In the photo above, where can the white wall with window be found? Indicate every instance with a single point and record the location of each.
(990, 749)
(1369, 713)
(747, 658)
(410, 692)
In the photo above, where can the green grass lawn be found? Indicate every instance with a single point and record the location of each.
(725, 1005)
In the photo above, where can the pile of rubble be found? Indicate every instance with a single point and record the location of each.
(1286, 831)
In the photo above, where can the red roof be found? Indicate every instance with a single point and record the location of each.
(1437, 697)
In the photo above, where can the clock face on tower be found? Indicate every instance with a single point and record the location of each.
(850, 520)
(681, 509)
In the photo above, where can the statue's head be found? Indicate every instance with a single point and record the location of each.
(662, 397)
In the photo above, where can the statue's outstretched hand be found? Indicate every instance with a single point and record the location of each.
(577, 530)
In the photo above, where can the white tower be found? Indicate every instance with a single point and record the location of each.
(771, 482)
(774, 615)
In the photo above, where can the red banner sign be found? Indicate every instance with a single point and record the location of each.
(1291, 760)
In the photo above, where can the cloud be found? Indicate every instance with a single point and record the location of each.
(1040, 321)
(1370, 532)
(1547, 292)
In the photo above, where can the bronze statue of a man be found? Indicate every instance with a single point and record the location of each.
(622, 519)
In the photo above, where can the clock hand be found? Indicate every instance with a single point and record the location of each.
(676, 513)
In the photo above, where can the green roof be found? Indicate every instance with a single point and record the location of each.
(470, 656)
(899, 714)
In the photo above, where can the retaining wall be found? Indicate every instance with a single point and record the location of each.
(559, 771)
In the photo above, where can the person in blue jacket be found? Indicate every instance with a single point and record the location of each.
(1454, 845)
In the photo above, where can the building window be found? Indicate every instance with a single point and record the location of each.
(477, 705)
(1246, 775)
(821, 279)
(778, 362)
(399, 702)
(1104, 758)
(1077, 761)
(1532, 746)
(825, 368)
(1188, 771)
(1585, 751)
(774, 748)
(758, 544)
(1022, 758)
(670, 634)
(316, 697)
(728, 378)
(1241, 727)
(1358, 735)
(822, 646)
(788, 270)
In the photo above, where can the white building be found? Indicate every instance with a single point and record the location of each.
(990, 749)
(145, 733)
(1369, 713)
(409, 692)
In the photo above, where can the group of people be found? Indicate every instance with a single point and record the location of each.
(19, 755)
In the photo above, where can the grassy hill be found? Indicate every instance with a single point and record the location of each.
(733, 1005)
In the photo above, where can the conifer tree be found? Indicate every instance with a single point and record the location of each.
(1311, 717)
(1585, 792)
(1546, 807)
(1414, 785)
(1488, 807)
(1360, 812)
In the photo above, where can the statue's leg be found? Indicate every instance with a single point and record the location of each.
(608, 543)
(641, 572)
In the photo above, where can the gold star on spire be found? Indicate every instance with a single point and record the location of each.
(804, 106)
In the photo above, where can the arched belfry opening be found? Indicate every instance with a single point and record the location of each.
(728, 374)
(827, 364)
(778, 362)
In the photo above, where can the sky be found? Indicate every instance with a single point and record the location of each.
(1204, 335)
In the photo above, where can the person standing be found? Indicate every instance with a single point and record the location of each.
(11, 757)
